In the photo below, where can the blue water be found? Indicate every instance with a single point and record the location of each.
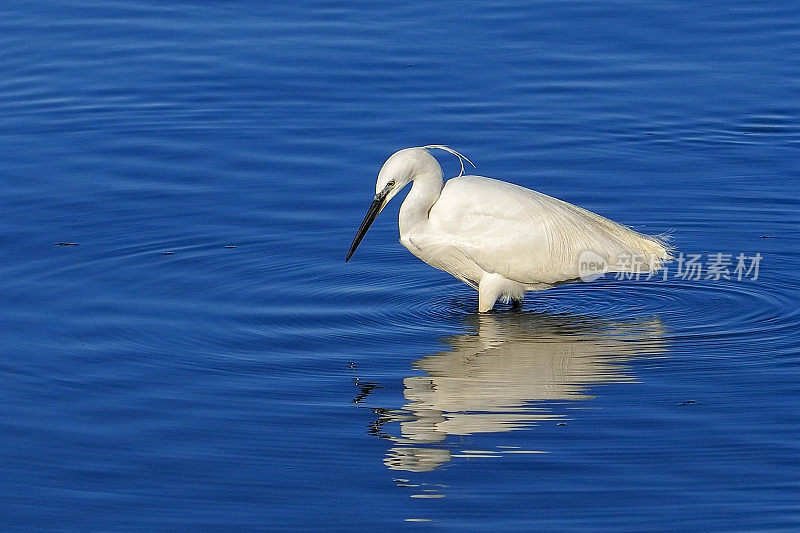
(203, 358)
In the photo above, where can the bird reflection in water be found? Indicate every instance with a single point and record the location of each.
(501, 377)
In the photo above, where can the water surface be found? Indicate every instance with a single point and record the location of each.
(203, 358)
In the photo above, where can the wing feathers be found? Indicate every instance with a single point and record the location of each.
(533, 238)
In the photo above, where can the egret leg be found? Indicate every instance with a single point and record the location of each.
(489, 290)
(516, 305)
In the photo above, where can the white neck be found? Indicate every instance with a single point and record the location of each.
(426, 188)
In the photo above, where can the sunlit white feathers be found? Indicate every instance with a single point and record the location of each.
(501, 238)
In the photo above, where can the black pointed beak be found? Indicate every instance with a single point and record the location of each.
(374, 208)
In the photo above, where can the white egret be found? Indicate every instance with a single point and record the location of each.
(499, 238)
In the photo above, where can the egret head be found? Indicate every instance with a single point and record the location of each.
(399, 170)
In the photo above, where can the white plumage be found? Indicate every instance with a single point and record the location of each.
(498, 237)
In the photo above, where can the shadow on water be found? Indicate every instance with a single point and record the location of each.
(510, 372)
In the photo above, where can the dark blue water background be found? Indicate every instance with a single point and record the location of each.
(204, 359)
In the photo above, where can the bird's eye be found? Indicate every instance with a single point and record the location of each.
(390, 184)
